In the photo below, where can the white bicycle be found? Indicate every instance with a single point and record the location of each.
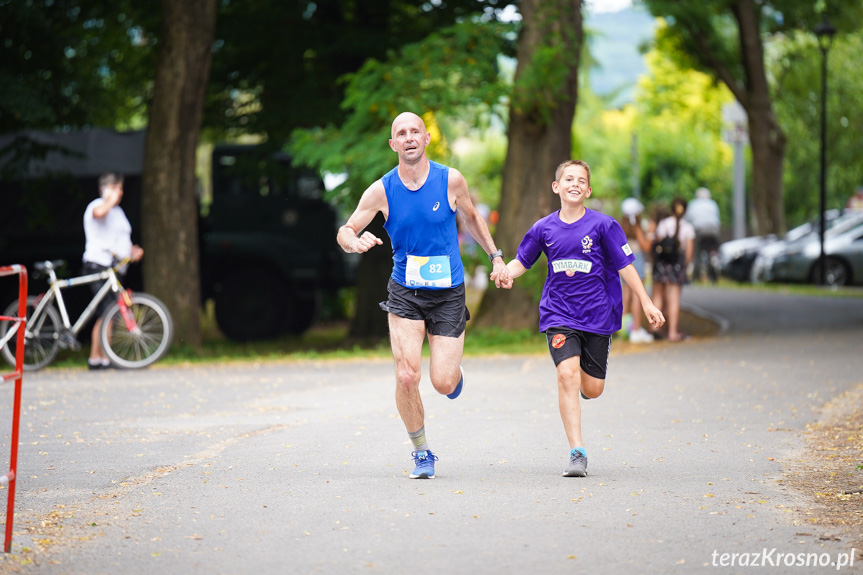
(136, 330)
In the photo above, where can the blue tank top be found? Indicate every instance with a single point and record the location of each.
(422, 229)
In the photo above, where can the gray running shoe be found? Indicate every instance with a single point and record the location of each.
(577, 466)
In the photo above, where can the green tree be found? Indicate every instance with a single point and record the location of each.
(73, 63)
(679, 129)
(277, 64)
(539, 134)
(797, 70)
(168, 195)
(726, 39)
(674, 125)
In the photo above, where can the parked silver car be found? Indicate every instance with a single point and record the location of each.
(798, 261)
(737, 257)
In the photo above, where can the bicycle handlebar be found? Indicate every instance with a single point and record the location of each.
(49, 265)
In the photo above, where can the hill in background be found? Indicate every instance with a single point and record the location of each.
(615, 38)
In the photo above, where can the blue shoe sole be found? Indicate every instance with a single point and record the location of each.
(459, 387)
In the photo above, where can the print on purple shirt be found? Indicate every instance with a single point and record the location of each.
(584, 260)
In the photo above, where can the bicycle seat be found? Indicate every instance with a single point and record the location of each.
(48, 265)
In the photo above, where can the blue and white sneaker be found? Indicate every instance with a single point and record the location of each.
(459, 387)
(424, 465)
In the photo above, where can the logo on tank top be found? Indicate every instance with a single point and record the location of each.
(558, 340)
(586, 244)
(435, 206)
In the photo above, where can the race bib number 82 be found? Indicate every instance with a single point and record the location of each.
(428, 271)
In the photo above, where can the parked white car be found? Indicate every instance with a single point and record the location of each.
(737, 258)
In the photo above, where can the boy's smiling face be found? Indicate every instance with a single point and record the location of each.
(573, 187)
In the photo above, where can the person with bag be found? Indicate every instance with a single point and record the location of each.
(673, 248)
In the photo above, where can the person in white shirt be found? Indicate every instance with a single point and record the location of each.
(108, 239)
(703, 213)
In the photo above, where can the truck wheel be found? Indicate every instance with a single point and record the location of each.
(251, 305)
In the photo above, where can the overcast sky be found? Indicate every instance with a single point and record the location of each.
(595, 7)
(608, 5)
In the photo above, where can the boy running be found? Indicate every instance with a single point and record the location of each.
(581, 305)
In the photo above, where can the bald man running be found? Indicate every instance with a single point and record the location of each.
(419, 200)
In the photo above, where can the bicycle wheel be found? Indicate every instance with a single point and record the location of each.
(147, 340)
(41, 338)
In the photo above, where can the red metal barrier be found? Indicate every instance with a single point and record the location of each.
(20, 322)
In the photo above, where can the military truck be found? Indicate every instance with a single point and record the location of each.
(267, 236)
(268, 249)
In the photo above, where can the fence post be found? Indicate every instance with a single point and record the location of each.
(10, 478)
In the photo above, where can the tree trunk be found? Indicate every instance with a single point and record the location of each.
(540, 138)
(766, 137)
(373, 272)
(169, 206)
(768, 153)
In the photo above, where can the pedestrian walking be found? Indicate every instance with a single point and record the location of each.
(703, 213)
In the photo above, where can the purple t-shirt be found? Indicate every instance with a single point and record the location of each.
(594, 248)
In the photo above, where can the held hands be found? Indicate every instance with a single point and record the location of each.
(501, 275)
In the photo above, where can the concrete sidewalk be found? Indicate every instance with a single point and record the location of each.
(301, 467)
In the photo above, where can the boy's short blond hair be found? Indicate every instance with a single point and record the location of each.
(558, 173)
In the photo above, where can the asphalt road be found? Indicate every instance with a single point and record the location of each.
(301, 467)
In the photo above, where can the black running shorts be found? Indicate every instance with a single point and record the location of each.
(564, 343)
(110, 297)
(443, 310)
